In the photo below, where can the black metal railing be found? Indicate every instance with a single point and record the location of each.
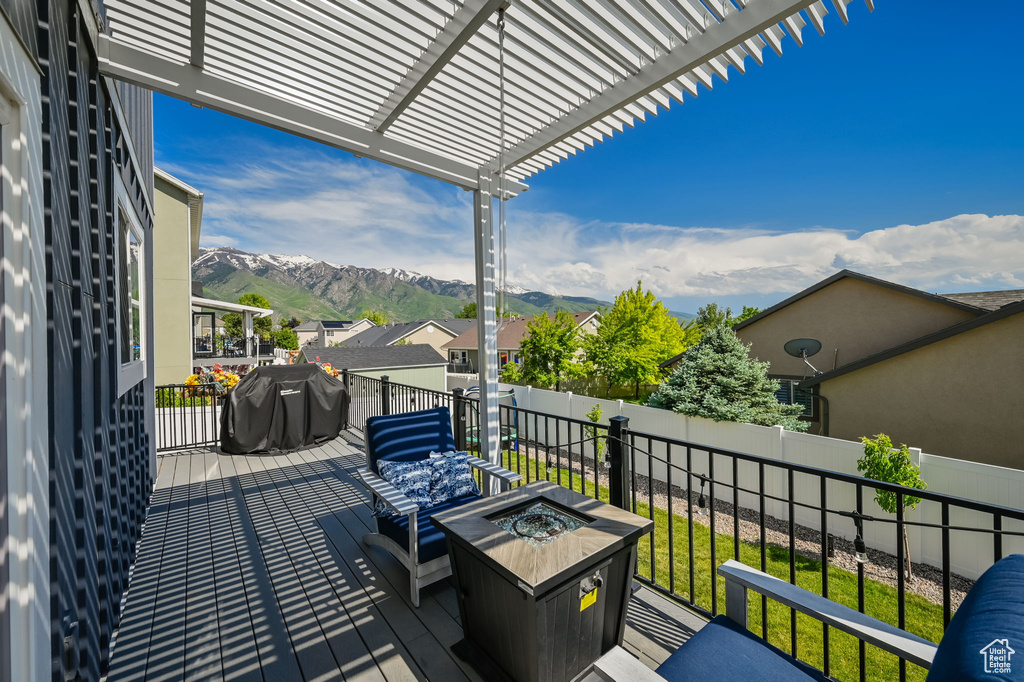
(712, 504)
(187, 416)
(222, 346)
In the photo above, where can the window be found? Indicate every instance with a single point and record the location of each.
(130, 291)
(790, 394)
(330, 333)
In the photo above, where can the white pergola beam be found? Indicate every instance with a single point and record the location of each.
(487, 321)
(716, 40)
(463, 25)
(186, 82)
(197, 18)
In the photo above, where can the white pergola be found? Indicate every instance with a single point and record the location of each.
(415, 83)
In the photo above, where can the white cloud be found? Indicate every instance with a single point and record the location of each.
(960, 253)
(352, 212)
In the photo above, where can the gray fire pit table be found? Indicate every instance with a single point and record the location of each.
(544, 576)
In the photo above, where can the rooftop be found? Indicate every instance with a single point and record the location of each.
(511, 333)
(375, 357)
(390, 333)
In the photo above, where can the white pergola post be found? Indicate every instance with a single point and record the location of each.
(248, 330)
(487, 323)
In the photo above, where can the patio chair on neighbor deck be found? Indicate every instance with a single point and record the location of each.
(409, 534)
(988, 624)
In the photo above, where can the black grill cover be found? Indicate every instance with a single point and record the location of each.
(283, 408)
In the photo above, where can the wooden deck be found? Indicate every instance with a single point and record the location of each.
(252, 568)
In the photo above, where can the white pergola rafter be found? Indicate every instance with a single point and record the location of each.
(463, 25)
(414, 83)
(197, 17)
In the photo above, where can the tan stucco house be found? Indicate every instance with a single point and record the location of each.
(325, 333)
(187, 330)
(178, 217)
(944, 373)
(434, 332)
(463, 355)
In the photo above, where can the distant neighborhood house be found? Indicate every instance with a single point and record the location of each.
(463, 351)
(943, 373)
(323, 333)
(435, 332)
(415, 364)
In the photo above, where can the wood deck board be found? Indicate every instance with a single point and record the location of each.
(253, 568)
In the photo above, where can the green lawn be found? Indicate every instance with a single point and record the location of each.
(922, 617)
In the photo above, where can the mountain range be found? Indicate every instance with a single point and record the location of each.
(312, 289)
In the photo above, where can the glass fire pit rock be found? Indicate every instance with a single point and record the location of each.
(539, 523)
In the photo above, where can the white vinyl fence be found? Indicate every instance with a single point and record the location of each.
(970, 552)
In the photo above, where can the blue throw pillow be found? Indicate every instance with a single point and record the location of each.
(452, 477)
(411, 478)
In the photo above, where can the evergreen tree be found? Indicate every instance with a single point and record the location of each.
(719, 380)
(550, 350)
(633, 338)
(263, 326)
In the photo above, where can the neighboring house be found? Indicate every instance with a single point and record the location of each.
(325, 333)
(939, 372)
(77, 456)
(177, 223)
(413, 365)
(188, 332)
(463, 354)
(308, 333)
(433, 332)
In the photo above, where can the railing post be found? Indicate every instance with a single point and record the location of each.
(618, 475)
(346, 381)
(385, 395)
(459, 407)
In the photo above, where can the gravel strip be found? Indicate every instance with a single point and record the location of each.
(927, 580)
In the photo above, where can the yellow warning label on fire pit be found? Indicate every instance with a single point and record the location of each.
(589, 599)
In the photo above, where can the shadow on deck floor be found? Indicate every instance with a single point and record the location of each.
(252, 568)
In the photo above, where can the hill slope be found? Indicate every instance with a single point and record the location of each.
(314, 290)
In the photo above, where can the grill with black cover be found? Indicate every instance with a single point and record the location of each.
(280, 408)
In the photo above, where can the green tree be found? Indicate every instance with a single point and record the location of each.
(883, 462)
(712, 316)
(549, 351)
(292, 322)
(285, 336)
(719, 380)
(263, 326)
(594, 415)
(468, 312)
(633, 338)
(376, 315)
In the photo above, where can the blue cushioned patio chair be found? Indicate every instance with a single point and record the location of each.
(409, 535)
(989, 623)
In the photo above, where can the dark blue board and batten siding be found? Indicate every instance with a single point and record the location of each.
(100, 455)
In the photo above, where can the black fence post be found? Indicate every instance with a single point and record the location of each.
(385, 395)
(346, 381)
(618, 475)
(459, 406)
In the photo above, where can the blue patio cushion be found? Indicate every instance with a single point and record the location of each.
(451, 477)
(413, 479)
(725, 652)
(408, 436)
(431, 540)
(991, 619)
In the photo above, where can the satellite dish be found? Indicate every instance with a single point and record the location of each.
(802, 348)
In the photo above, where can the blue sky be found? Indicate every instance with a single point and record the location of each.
(892, 146)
